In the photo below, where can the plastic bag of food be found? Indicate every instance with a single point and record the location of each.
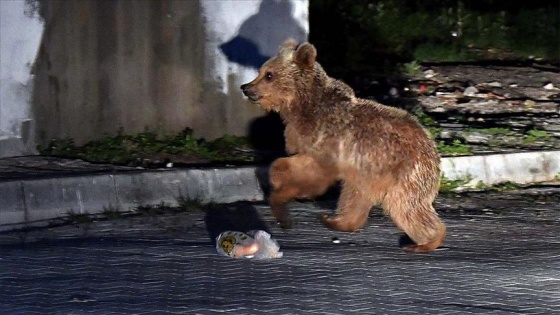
(255, 244)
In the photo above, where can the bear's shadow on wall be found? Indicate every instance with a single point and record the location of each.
(244, 52)
(260, 36)
(266, 135)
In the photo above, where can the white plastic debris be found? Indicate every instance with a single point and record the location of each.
(549, 86)
(428, 74)
(470, 91)
(494, 84)
(255, 244)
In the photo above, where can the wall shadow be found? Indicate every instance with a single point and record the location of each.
(260, 36)
(266, 135)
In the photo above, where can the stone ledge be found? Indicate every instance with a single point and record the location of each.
(519, 168)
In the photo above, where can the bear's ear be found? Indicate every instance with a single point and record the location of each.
(289, 44)
(305, 55)
(287, 49)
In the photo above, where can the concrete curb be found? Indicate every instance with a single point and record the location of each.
(519, 168)
(35, 201)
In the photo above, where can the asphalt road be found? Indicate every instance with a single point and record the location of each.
(502, 256)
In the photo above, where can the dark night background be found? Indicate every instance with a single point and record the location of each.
(357, 37)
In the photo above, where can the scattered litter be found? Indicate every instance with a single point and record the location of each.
(549, 86)
(255, 244)
(497, 96)
(429, 73)
(470, 91)
(336, 240)
(494, 84)
(529, 103)
(446, 94)
(169, 165)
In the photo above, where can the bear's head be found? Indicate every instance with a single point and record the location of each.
(283, 78)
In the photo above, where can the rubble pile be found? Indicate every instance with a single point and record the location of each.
(489, 109)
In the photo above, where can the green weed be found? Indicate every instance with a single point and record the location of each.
(412, 68)
(186, 204)
(111, 213)
(505, 186)
(449, 186)
(498, 131)
(535, 135)
(78, 218)
(457, 147)
(124, 149)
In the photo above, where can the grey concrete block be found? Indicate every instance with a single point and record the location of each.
(224, 185)
(204, 185)
(11, 147)
(12, 205)
(520, 168)
(56, 197)
(150, 188)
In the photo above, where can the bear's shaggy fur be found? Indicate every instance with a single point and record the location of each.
(380, 154)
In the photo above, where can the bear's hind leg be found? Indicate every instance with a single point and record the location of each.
(418, 219)
(436, 242)
(353, 210)
(299, 176)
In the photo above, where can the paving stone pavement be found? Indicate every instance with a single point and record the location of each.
(502, 256)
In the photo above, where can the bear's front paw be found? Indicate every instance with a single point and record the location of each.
(342, 223)
(285, 224)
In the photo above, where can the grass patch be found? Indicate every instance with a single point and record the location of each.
(434, 132)
(78, 218)
(449, 186)
(437, 52)
(498, 131)
(423, 118)
(124, 149)
(535, 135)
(427, 121)
(186, 204)
(505, 186)
(111, 213)
(412, 68)
(456, 147)
(153, 210)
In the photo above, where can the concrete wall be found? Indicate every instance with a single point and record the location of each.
(240, 36)
(158, 65)
(20, 34)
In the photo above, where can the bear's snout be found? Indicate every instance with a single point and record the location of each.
(249, 93)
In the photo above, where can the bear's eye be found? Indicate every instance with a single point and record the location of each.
(268, 76)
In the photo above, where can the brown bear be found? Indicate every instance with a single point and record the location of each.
(381, 155)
